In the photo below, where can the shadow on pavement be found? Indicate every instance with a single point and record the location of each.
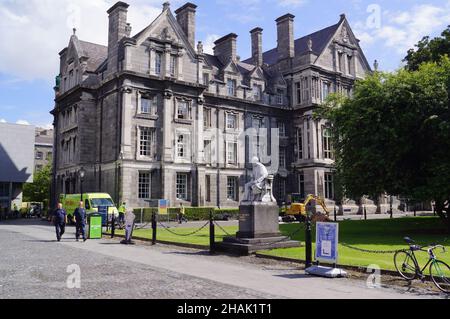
(294, 276)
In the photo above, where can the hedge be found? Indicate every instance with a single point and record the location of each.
(144, 215)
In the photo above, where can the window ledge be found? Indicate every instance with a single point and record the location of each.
(180, 121)
(147, 117)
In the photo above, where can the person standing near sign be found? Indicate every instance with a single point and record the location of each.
(60, 221)
(80, 221)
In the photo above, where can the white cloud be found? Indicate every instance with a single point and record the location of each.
(208, 44)
(22, 122)
(2, 121)
(33, 32)
(291, 3)
(401, 30)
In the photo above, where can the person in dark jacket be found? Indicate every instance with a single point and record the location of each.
(80, 221)
(60, 221)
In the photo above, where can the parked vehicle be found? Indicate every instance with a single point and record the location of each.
(92, 201)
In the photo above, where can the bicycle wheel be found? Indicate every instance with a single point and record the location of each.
(440, 274)
(405, 265)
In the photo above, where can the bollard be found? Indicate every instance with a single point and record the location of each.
(392, 212)
(365, 213)
(212, 234)
(113, 226)
(154, 228)
(308, 242)
(335, 214)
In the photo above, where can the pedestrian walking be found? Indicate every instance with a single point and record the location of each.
(60, 221)
(80, 222)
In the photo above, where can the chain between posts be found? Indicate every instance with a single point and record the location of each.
(184, 235)
(372, 251)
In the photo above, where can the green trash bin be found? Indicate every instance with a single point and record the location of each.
(95, 226)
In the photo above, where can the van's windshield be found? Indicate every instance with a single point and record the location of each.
(101, 202)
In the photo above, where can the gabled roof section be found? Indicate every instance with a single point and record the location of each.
(320, 39)
(95, 53)
(166, 13)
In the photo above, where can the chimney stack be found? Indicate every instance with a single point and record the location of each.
(225, 48)
(257, 51)
(286, 45)
(118, 29)
(186, 19)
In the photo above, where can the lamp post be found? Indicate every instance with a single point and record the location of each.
(82, 174)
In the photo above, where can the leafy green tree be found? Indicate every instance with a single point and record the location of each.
(393, 135)
(428, 50)
(39, 190)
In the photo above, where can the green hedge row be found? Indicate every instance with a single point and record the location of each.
(192, 213)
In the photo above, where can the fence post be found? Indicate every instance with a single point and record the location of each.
(335, 214)
(308, 242)
(212, 234)
(365, 213)
(113, 225)
(142, 216)
(154, 228)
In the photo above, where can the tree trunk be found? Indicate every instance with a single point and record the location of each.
(443, 211)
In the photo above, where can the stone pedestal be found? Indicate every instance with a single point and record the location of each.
(258, 230)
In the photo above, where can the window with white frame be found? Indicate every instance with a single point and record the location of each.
(257, 92)
(183, 112)
(327, 143)
(158, 63)
(232, 188)
(329, 186)
(173, 65)
(207, 117)
(144, 185)
(326, 90)
(232, 121)
(232, 149)
(231, 87)
(182, 186)
(149, 105)
(182, 146)
(280, 97)
(305, 90)
(146, 141)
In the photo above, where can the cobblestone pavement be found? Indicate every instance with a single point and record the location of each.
(34, 265)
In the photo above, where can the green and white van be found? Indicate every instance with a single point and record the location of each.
(92, 201)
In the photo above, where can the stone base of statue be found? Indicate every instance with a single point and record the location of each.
(258, 230)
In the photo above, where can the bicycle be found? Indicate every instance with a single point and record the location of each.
(408, 267)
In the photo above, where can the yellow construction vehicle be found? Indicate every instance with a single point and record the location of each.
(297, 207)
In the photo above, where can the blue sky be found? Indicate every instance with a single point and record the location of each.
(34, 31)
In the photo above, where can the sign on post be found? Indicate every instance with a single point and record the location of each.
(163, 207)
(103, 211)
(95, 227)
(129, 225)
(327, 238)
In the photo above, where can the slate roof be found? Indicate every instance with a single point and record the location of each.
(319, 39)
(96, 53)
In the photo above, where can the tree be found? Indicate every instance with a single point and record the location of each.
(393, 135)
(39, 190)
(428, 50)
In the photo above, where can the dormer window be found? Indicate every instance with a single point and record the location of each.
(257, 92)
(280, 97)
(231, 85)
(173, 65)
(158, 63)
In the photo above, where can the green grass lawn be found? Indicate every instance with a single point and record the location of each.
(372, 235)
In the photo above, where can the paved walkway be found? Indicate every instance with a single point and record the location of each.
(245, 277)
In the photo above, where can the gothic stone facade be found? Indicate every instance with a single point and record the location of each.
(152, 116)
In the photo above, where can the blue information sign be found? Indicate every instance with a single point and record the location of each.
(327, 237)
(103, 211)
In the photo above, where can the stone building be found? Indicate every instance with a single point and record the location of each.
(152, 116)
(16, 164)
(43, 148)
